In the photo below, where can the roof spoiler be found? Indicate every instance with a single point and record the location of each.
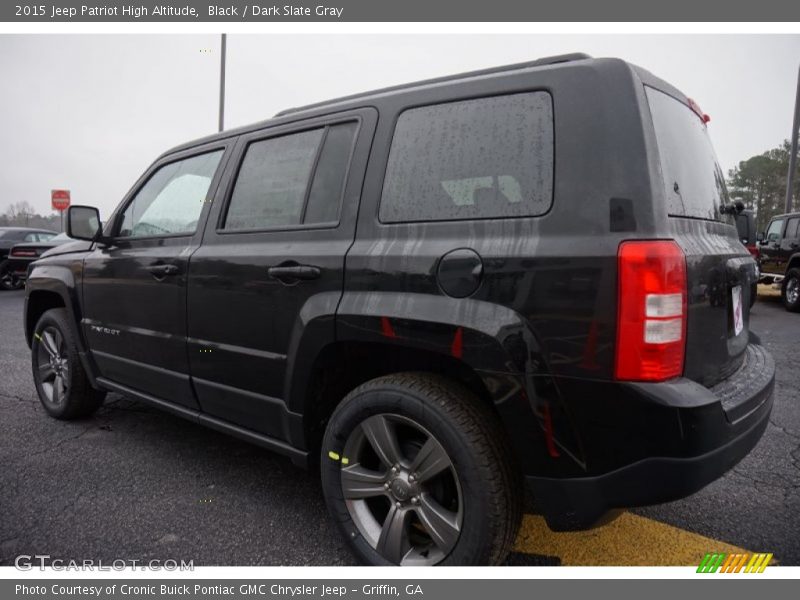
(541, 62)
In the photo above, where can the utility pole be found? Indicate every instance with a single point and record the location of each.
(222, 83)
(793, 155)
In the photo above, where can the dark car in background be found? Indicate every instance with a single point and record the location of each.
(10, 237)
(22, 255)
(779, 257)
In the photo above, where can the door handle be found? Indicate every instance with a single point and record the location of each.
(292, 273)
(159, 271)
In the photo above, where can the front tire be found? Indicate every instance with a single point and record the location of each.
(790, 291)
(61, 382)
(416, 471)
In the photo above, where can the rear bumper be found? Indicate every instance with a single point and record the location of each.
(719, 427)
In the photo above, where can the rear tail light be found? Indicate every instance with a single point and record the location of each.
(21, 252)
(651, 322)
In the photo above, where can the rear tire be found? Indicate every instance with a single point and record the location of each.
(790, 291)
(386, 499)
(8, 281)
(61, 382)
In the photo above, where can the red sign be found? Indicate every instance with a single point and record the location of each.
(59, 200)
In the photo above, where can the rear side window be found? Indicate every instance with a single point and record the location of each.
(474, 159)
(793, 229)
(292, 180)
(327, 187)
(272, 181)
(694, 185)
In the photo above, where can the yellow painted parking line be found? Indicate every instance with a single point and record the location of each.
(629, 540)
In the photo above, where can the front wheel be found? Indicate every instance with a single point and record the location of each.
(790, 292)
(416, 471)
(63, 386)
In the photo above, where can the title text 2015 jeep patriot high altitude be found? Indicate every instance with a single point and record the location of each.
(443, 293)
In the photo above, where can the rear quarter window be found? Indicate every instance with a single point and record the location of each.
(473, 159)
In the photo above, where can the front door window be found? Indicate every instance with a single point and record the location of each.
(171, 201)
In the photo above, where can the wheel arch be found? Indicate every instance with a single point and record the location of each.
(794, 262)
(37, 303)
(54, 286)
(490, 349)
(344, 365)
(50, 286)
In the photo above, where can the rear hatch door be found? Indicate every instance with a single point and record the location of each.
(719, 268)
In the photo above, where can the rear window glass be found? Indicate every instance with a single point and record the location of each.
(793, 229)
(694, 185)
(475, 159)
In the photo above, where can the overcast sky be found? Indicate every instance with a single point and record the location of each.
(89, 112)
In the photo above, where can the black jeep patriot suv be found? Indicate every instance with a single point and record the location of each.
(441, 294)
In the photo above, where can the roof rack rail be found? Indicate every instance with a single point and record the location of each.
(549, 60)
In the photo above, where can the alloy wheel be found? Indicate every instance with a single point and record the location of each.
(793, 290)
(52, 365)
(401, 490)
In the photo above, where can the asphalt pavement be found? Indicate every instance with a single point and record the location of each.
(135, 483)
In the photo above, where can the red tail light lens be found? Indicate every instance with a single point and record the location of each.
(21, 252)
(651, 321)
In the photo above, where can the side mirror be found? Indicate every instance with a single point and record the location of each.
(83, 223)
(760, 237)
